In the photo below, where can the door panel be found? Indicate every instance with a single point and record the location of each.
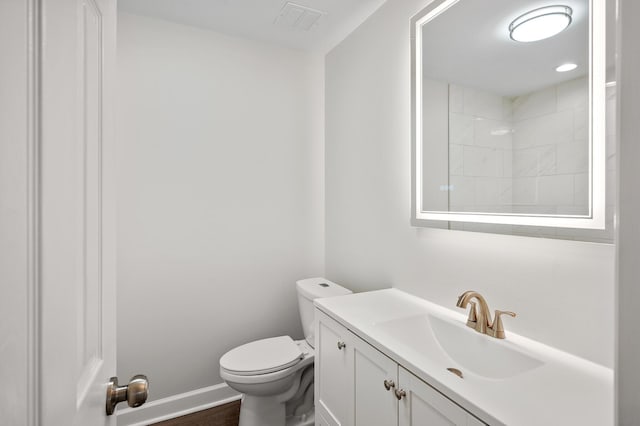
(77, 210)
(90, 356)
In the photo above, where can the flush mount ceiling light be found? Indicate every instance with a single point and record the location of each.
(541, 23)
(566, 67)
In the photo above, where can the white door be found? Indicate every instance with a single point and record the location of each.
(77, 211)
(57, 236)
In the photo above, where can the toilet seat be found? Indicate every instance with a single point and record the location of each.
(262, 357)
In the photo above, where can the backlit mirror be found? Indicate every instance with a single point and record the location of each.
(509, 113)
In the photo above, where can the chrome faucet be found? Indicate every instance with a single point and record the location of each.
(479, 316)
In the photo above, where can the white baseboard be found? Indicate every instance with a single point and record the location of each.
(177, 405)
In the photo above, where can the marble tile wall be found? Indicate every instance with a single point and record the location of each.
(480, 151)
(523, 154)
(526, 154)
(550, 149)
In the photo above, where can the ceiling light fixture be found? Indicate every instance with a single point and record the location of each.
(540, 23)
(566, 67)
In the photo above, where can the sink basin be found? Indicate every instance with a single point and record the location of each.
(467, 350)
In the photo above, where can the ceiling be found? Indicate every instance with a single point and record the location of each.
(469, 45)
(260, 19)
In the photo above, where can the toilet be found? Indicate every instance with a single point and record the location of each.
(276, 374)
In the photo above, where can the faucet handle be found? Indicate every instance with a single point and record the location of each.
(497, 329)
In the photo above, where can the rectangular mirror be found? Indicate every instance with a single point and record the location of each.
(508, 122)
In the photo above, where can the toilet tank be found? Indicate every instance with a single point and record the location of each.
(314, 288)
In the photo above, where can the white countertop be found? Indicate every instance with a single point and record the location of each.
(565, 390)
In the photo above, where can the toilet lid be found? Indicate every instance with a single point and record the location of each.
(262, 356)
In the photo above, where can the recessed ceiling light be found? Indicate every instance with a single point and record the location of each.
(541, 23)
(566, 67)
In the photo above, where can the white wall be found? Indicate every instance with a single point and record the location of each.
(563, 291)
(220, 185)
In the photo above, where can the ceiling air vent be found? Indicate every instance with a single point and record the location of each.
(294, 16)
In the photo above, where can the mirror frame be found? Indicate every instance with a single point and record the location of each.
(597, 146)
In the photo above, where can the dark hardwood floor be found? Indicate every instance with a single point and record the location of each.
(223, 415)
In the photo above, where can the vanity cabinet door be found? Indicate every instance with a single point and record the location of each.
(375, 405)
(333, 372)
(422, 405)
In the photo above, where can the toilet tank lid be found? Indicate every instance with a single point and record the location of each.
(314, 288)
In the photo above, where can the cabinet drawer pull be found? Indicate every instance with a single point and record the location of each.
(341, 345)
(400, 393)
(388, 384)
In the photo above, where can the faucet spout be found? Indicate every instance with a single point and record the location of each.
(482, 316)
(462, 299)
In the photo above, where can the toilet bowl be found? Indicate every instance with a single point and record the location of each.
(268, 385)
(275, 375)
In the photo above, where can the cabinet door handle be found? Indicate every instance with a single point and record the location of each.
(341, 345)
(388, 384)
(400, 393)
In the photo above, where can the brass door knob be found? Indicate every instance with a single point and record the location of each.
(135, 393)
(388, 384)
(400, 393)
(341, 345)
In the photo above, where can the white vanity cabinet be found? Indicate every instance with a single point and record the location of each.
(357, 385)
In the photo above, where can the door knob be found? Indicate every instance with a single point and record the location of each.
(135, 393)
(388, 384)
(341, 345)
(400, 393)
